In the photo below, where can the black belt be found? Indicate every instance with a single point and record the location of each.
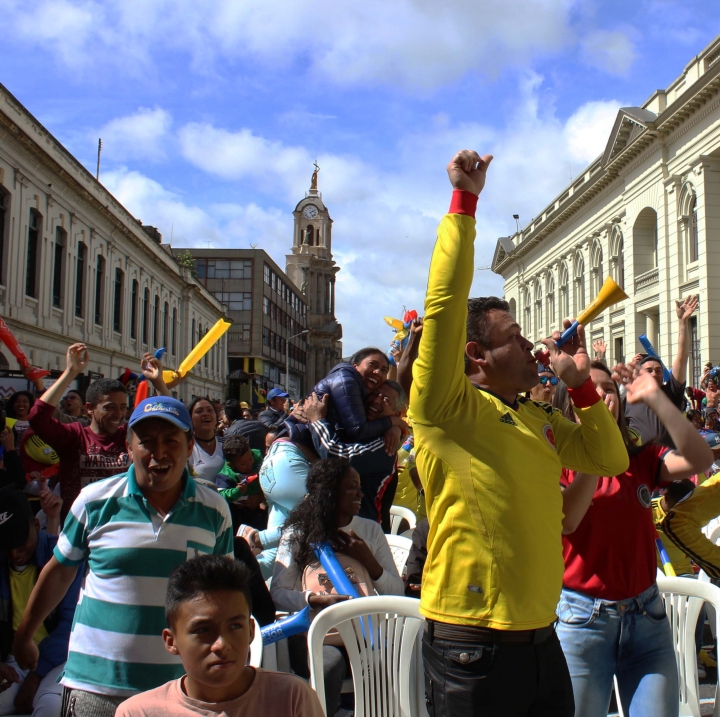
(485, 635)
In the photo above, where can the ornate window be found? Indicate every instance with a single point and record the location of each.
(564, 283)
(538, 307)
(33, 248)
(579, 276)
(690, 229)
(597, 274)
(58, 267)
(617, 259)
(550, 299)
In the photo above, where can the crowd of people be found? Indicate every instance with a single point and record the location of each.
(140, 545)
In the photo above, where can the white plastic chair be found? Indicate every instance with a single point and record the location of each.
(385, 673)
(683, 598)
(256, 647)
(400, 549)
(397, 513)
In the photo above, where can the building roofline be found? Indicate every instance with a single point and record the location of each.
(597, 176)
(32, 134)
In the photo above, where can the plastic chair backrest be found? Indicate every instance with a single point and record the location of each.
(397, 513)
(400, 549)
(256, 647)
(683, 598)
(384, 681)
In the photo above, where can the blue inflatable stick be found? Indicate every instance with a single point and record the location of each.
(651, 352)
(340, 581)
(288, 626)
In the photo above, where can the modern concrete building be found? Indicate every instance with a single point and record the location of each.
(268, 312)
(75, 265)
(646, 212)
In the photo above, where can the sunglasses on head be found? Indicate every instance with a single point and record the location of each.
(553, 380)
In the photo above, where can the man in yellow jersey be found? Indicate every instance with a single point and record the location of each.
(491, 467)
(684, 522)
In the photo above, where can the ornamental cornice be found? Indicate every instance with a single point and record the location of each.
(699, 117)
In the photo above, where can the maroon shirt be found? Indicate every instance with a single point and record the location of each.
(611, 555)
(85, 456)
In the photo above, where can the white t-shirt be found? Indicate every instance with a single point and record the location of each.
(206, 465)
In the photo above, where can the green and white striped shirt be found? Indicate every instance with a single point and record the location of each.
(116, 645)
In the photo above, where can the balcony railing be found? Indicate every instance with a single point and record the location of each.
(646, 280)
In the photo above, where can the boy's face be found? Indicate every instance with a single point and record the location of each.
(23, 554)
(212, 635)
(242, 464)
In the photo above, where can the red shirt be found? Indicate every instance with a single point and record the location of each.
(611, 555)
(85, 456)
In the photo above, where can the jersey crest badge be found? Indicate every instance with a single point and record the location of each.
(549, 435)
(643, 494)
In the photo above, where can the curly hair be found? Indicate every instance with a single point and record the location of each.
(10, 402)
(315, 518)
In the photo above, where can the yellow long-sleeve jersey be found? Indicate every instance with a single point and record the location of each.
(491, 470)
(683, 525)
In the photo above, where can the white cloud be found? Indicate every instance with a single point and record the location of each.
(414, 44)
(385, 217)
(588, 130)
(142, 135)
(609, 50)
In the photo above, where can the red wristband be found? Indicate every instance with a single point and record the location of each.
(463, 202)
(584, 396)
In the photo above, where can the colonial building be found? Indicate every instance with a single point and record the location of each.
(75, 266)
(646, 212)
(269, 314)
(311, 267)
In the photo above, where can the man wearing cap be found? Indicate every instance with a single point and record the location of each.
(278, 409)
(132, 529)
(26, 549)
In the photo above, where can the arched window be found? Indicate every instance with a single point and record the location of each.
(527, 312)
(33, 250)
(617, 259)
(58, 276)
(174, 331)
(550, 299)
(564, 283)
(118, 299)
(513, 308)
(597, 274)
(538, 307)
(693, 243)
(645, 242)
(80, 279)
(166, 311)
(156, 321)
(145, 315)
(579, 276)
(4, 229)
(134, 298)
(99, 290)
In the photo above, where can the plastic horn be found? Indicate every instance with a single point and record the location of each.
(287, 627)
(8, 338)
(651, 352)
(610, 294)
(664, 558)
(203, 346)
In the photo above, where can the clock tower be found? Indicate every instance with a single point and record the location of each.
(312, 269)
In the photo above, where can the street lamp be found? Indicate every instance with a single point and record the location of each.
(287, 359)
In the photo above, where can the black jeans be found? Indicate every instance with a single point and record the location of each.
(492, 678)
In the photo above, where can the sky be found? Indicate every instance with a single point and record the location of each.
(212, 114)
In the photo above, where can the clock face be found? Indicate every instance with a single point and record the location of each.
(310, 211)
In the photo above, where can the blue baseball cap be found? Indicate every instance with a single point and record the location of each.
(712, 438)
(165, 407)
(276, 393)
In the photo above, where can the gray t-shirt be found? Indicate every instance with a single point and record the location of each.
(644, 420)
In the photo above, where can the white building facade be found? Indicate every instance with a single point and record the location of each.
(647, 213)
(76, 266)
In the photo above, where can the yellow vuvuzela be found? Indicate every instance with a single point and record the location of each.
(203, 346)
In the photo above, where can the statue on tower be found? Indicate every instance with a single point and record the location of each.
(313, 181)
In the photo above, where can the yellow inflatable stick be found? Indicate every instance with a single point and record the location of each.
(395, 323)
(203, 346)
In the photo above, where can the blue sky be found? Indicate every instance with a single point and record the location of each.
(212, 113)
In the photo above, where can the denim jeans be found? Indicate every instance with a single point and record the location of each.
(629, 638)
(499, 679)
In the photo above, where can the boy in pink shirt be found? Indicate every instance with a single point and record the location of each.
(207, 608)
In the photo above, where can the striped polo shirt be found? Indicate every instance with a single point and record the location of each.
(116, 645)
